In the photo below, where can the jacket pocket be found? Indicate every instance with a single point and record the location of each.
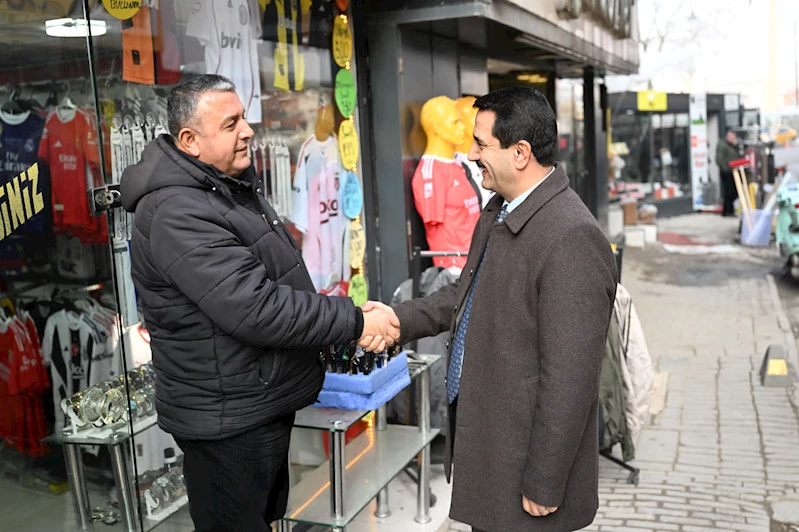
(269, 367)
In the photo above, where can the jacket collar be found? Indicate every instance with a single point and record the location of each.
(551, 187)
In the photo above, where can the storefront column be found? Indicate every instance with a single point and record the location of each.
(593, 190)
(391, 256)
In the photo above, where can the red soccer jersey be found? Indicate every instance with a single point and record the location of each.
(68, 145)
(448, 205)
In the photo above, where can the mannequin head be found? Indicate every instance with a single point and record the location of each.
(443, 127)
(467, 112)
(325, 122)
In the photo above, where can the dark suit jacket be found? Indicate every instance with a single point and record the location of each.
(527, 407)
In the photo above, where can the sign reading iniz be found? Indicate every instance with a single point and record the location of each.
(615, 15)
(20, 200)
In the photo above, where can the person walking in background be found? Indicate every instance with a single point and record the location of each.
(726, 152)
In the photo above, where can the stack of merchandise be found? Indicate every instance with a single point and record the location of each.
(355, 389)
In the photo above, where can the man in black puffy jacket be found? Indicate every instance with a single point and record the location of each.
(236, 325)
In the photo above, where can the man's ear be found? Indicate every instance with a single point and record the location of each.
(522, 154)
(187, 141)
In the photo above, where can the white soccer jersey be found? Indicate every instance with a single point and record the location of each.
(76, 356)
(228, 29)
(316, 211)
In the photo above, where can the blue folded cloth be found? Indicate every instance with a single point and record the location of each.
(366, 384)
(372, 401)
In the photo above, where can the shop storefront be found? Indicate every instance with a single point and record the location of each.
(83, 89)
(662, 147)
(420, 50)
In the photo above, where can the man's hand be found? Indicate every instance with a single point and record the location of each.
(536, 510)
(381, 327)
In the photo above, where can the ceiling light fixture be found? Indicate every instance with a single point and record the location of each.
(70, 27)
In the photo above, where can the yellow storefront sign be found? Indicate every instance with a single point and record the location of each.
(653, 101)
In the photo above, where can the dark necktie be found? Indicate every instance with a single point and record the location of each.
(459, 345)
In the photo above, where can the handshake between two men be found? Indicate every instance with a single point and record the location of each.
(381, 327)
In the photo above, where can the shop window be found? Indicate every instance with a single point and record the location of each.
(73, 119)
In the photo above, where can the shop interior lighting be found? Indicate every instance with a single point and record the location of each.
(532, 78)
(71, 27)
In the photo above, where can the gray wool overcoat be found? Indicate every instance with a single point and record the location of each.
(526, 414)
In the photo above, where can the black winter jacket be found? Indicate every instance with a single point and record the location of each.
(235, 324)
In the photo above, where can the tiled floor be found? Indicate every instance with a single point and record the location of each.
(32, 510)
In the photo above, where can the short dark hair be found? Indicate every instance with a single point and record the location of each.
(523, 113)
(182, 101)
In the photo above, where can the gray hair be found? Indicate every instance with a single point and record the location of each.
(182, 101)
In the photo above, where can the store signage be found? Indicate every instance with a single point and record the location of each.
(357, 244)
(351, 195)
(342, 41)
(122, 9)
(614, 15)
(20, 200)
(701, 185)
(358, 290)
(345, 93)
(653, 101)
(348, 144)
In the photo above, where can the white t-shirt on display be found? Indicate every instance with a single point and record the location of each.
(317, 213)
(228, 29)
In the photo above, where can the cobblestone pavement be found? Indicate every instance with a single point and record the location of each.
(723, 445)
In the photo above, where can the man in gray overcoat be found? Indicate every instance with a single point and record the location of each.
(527, 320)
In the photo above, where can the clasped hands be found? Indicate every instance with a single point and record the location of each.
(381, 327)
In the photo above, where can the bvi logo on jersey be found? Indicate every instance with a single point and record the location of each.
(234, 43)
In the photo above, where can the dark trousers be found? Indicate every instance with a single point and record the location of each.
(239, 483)
(728, 194)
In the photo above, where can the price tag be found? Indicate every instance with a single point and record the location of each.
(357, 244)
(348, 146)
(345, 92)
(351, 195)
(122, 9)
(358, 290)
(342, 41)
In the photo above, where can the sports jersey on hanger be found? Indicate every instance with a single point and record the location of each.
(228, 29)
(320, 34)
(76, 356)
(448, 205)
(74, 259)
(68, 147)
(19, 147)
(283, 25)
(316, 211)
(151, 54)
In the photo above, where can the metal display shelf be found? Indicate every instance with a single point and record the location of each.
(373, 459)
(335, 492)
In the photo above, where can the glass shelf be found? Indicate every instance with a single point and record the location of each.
(107, 435)
(373, 459)
(159, 516)
(307, 418)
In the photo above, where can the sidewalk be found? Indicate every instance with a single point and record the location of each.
(723, 445)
